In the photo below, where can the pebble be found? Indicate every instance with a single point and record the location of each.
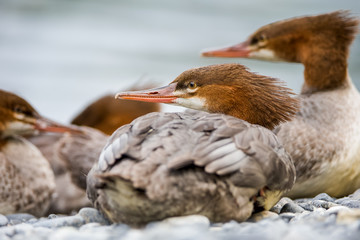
(19, 218)
(348, 217)
(278, 206)
(291, 207)
(322, 204)
(348, 202)
(197, 220)
(337, 209)
(355, 195)
(287, 216)
(321, 217)
(51, 216)
(3, 220)
(92, 215)
(74, 221)
(324, 197)
(307, 206)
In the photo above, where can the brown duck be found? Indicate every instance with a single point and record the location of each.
(324, 137)
(27, 181)
(174, 164)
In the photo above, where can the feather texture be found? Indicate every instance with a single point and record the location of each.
(156, 166)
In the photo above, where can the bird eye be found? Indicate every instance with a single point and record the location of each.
(258, 39)
(192, 85)
(254, 41)
(22, 110)
(19, 109)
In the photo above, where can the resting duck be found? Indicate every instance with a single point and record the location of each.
(27, 181)
(108, 114)
(324, 137)
(71, 157)
(175, 164)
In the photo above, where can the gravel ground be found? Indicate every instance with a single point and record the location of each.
(322, 217)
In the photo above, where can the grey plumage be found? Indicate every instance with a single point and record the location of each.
(174, 164)
(71, 157)
(26, 180)
(324, 143)
(80, 151)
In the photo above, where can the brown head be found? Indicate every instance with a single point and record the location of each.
(226, 88)
(18, 117)
(320, 42)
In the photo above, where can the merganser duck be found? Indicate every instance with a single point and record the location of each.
(27, 181)
(108, 114)
(324, 137)
(71, 157)
(175, 164)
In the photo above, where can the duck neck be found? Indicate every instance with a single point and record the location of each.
(325, 70)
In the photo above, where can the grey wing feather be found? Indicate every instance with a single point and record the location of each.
(251, 153)
(80, 152)
(221, 144)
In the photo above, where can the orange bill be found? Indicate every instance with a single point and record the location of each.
(159, 95)
(235, 51)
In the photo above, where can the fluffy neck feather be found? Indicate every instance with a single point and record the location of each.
(256, 99)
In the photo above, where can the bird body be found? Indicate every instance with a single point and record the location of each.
(27, 181)
(324, 137)
(175, 164)
(324, 141)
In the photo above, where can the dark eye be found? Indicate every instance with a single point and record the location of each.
(192, 85)
(19, 109)
(257, 39)
(22, 110)
(254, 41)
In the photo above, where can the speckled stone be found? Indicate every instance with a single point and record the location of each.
(355, 195)
(279, 205)
(73, 221)
(287, 216)
(337, 209)
(7, 231)
(347, 202)
(93, 215)
(291, 207)
(52, 216)
(323, 204)
(23, 228)
(324, 197)
(327, 218)
(307, 206)
(18, 218)
(3, 220)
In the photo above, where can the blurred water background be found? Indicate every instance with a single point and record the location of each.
(60, 55)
